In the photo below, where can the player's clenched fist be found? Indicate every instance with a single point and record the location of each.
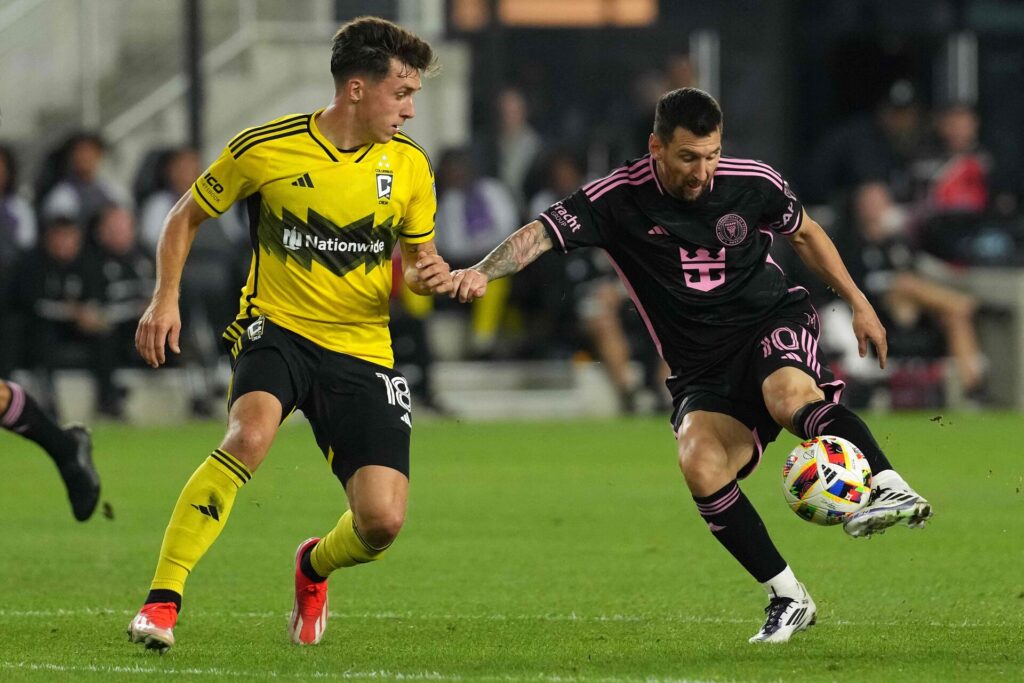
(468, 285)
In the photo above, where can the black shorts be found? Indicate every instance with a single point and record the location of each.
(731, 384)
(361, 412)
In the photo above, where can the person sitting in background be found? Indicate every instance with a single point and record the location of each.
(17, 219)
(74, 185)
(17, 236)
(891, 277)
(517, 143)
(955, 177)
(55, 292)
(124, 277)
(876, 146)
(476, 212)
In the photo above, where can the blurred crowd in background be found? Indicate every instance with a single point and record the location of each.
(906, 188)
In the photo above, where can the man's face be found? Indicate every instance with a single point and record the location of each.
(384, 105)
(63, 242)
(686, 163)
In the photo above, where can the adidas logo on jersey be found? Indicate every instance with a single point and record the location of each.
(303, 181)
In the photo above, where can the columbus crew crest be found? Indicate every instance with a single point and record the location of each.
(385, 179)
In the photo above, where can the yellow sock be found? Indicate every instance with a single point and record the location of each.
(199, 515)
(487, 313)
(342, 547)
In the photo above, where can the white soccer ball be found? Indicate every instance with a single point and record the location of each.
(826, 479)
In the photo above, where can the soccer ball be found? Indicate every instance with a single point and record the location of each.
(826, 479)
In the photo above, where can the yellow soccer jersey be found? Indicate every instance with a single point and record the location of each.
(323, 224)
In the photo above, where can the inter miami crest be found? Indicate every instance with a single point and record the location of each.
(731, 229)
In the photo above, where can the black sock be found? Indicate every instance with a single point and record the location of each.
(24, 416)
(306, 566)
(164, 595)
(737, 526)
(823, 417)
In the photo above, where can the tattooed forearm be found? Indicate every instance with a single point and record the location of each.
(519, 250)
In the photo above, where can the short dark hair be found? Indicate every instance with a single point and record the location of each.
(688, 108)
(367, 44)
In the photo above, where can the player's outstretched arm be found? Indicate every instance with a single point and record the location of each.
(816, 250)
(519, 250)
(425, 271)
(160, 324)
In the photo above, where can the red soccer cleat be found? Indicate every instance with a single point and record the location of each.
(154, 626)
(309, 612)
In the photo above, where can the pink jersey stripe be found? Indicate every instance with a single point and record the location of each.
(639, 306)
(615, 171)
(750, 162)
(554, 227)
(623, 172)
(654, 172)
(760, 174)
(635, 181)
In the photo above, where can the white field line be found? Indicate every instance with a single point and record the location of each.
(323, 675)
(417, 616)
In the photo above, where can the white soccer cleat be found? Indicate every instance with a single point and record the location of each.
(153, 626)
(786, 616)
(889, 506)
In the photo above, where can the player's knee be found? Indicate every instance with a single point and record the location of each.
(783, 401)
(379, 528)
(5, 397)
(248, 444)
(702, 461)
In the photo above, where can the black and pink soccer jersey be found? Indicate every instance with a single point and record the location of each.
(700, 273)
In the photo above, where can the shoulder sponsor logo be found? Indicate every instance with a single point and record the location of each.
(731, 229)
(562, 217)
(213, 183)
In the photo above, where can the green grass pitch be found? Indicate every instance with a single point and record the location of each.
(547, 552)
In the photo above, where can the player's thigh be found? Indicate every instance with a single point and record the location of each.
(361, 414)
(713, 448)
(788, 368)
(271, 371)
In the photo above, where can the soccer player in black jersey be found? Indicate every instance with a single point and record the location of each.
(70, 449)
(330, 193)
(688, 232)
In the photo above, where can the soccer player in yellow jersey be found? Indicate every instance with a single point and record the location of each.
(329, 194)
